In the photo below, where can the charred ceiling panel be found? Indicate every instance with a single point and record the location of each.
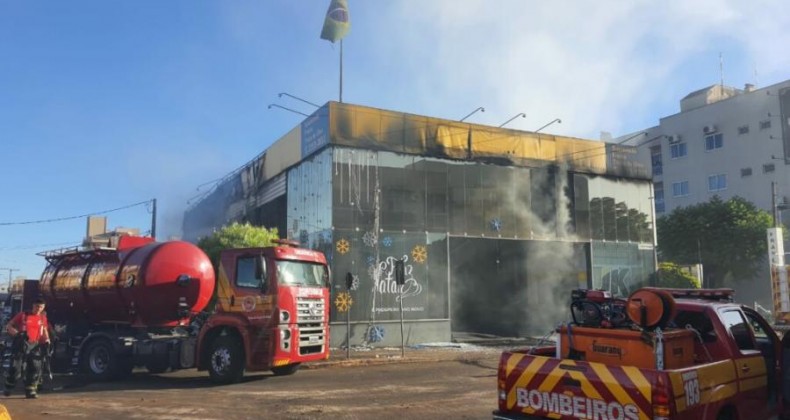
(377, 129)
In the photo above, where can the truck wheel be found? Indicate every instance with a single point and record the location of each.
(285, 370)
(226, 360)
(99, 361)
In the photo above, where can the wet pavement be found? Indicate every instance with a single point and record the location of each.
(464, 347)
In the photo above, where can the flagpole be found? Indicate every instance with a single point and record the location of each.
(341, 71)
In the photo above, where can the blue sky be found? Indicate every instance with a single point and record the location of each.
(108, 103)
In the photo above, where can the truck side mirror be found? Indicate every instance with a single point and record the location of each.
(349, 280)
(400, 273)
(260, 272)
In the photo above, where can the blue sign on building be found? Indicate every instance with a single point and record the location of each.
(315, 131)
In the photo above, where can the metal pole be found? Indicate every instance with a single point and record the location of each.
(402, 346)
(348, 333)
(153, 220)
(10, 277)
(654, 233)
(341, 71)
(774, 207)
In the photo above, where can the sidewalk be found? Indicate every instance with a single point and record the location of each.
(419, 353)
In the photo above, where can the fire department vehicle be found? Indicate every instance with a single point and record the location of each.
(660, 354)
(142, 304)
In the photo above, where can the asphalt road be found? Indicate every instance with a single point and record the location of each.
(460, 385)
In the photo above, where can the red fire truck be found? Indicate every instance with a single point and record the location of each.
(142, 304)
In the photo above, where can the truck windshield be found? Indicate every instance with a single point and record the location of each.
(297, 273)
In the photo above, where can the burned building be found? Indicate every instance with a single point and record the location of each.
(495, 226)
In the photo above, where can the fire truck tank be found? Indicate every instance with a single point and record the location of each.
(141, 283)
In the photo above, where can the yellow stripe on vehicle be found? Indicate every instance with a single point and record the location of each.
(613, 385)
(512, 362)
(527, 374)
(716, 381)
(548, 384)
(754, 383)
(639, 380)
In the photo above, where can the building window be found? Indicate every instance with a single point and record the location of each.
(764, 125)
(717, 182)
(658, 191)
(768, 167)
(746, 172)
(678, 150)
(715, 141)
(656, 160)
(680, 189)
(743, 129)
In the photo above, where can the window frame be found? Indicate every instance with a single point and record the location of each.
(718, 178)
(714, 141)
(678, 155)
(681, 184)
(260, 281)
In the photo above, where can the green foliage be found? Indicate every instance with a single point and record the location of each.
(236, 235)
(671, 275)
(728, 237)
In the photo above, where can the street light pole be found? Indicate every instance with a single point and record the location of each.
(520, 114)
(480, 108)
(556, 120)
(10, 276)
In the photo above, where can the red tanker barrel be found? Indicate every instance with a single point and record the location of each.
(154, 285)
(162, 280)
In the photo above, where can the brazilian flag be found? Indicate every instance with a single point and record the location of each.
(337, 22)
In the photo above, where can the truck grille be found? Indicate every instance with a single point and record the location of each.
(309, 310)
(311, 322)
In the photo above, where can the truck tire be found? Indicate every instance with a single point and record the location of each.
(99, 361)
(226, 360)
(285, 370)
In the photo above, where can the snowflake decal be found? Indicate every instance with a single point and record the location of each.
(376, 334)
(370, 239)
(373, 271)
(496, 224)
(343, 246)
(419, 254)
(387, 241)
(343, 301)
(371, 259)
(355, 283)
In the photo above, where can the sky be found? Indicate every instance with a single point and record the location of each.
(105, 104)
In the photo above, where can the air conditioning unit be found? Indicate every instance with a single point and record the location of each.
(674, 139)
(709, 129)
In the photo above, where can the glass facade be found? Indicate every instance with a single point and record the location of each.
(487, 248)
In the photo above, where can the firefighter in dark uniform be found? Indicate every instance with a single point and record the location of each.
(31, 340)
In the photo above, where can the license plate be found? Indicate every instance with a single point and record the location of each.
(315, 339)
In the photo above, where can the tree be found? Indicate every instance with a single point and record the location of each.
(236, 235)
(728, 238)
(671, 275)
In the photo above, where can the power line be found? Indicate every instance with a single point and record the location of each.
(13, 248)
(60, 219)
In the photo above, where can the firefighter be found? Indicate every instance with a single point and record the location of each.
(30, 331)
